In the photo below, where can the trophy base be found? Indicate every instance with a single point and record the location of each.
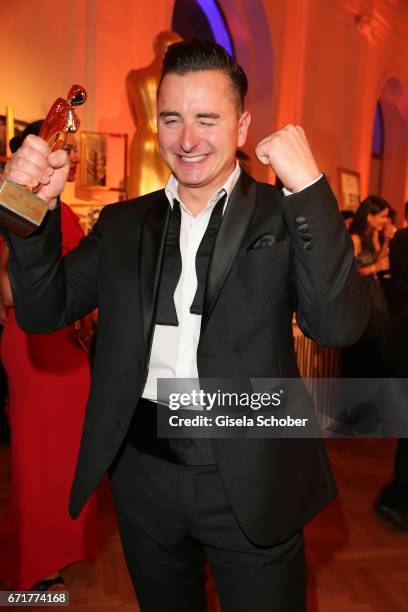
(21, 212)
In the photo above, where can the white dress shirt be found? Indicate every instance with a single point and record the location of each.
(174, 349)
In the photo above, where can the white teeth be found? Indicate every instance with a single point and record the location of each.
(193, 159)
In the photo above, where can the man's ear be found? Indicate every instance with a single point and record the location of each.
(244, 121)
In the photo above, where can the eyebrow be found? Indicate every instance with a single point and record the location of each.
(199, 115)
(208, 116)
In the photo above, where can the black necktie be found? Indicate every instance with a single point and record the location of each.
(204, 254)
(171, 269)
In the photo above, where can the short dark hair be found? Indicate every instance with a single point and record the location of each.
(32, 128)
(197, 55)
(392, 213)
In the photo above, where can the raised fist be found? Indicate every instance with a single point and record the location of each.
(288, 153)
(33, 164)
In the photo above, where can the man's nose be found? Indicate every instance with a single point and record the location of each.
(189, 138)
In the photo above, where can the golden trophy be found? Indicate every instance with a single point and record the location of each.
(148, 171)
(21, 210)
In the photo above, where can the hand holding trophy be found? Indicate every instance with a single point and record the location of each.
(36, 173)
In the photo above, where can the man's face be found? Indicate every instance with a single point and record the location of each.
(200, 127)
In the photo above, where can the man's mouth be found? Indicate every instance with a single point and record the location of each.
(189, 159)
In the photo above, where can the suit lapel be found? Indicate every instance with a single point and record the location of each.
(233, 228)
(150, 260)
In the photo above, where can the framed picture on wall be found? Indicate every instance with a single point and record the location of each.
(349, 189)
(103, 161)
(3, 141)
(3, 135)
(8, 127)
(93, 160)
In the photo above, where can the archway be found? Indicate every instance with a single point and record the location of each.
(394, 108)
(377, 153)
(202, 19)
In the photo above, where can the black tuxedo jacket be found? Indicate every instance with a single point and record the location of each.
(306, 264)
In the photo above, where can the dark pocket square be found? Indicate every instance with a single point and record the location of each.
(266, 240)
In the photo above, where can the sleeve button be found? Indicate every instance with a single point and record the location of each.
(303, 228)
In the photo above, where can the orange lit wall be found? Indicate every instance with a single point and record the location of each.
(331, 70)
(48, 45)
(311, 62)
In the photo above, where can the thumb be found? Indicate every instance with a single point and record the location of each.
(263, 157)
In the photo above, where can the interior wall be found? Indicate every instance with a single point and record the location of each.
(394, 105)
(332, 60)
(319, 64)
(252, 40)
(35, 56)
(49, 45)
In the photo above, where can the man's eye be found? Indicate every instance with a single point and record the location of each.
(170, 121)
(206, 124)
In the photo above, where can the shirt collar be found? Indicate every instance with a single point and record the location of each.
(171, 189)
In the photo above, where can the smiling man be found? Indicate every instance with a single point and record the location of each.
(199, 279)
(201, 123)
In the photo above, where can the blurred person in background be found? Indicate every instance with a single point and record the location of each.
(405, 214)
(366, 358)
(392, 503)
(4, 426)
(49, 384)
(391, 224)
(386, 235)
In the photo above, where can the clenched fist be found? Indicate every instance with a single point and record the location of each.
(34, 164)
(289, 154)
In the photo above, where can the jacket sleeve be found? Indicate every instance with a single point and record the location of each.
(332, 305)
(51, 291)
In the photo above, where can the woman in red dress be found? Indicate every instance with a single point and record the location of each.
(49, 382)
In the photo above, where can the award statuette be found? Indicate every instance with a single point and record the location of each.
(21, 211)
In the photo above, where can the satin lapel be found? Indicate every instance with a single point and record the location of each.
(151, 255)
(230, 236)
